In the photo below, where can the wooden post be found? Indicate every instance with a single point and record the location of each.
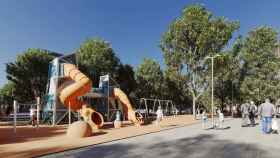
(147, 109)
(15, 116)
(108, 101)
(38, 111)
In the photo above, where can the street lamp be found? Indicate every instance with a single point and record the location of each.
(212, 85)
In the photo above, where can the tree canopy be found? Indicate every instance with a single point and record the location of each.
(96, 57)
(149, 78)
(6, 93)
(190, 38)
(126, 78)
(260, 65)
(29, 73)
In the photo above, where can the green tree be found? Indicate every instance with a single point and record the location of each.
(126, 78)
(227, 75)
(6, 97)
(96, 57)
(171, 90)
(6, 93)
(260, 65)
(188, 40)
(29, 73)
(149, 79)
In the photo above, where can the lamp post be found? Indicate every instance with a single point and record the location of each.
(212, 86)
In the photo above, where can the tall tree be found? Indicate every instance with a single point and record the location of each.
(29, 73)
(260, 65)
(96, 57)
(188, 40)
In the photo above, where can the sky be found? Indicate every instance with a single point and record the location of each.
(133, 28)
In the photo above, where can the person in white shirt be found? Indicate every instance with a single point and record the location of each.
(204, 119)
(33, 116)
(274, 126)
(245, 114)
(221, 119)
(159, 115)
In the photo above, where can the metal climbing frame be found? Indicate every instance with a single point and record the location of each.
(22, 111)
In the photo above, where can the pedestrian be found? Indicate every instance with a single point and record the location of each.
(245, 114)
(266, 111)
(221, 119)
(204, 119)
(274, 126)
(33, 116)
(159, 116)
(252, 113)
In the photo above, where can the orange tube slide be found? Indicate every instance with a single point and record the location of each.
(129, 112)
(80, 86)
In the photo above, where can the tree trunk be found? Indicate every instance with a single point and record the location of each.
(230, 110)
(194, 107)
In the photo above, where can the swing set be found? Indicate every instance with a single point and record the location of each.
(148, 107)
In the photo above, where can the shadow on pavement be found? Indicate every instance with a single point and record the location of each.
(225, 128)
(217, 128)
(201, 146)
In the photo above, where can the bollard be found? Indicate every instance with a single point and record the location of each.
(15, 116)
(38, 111)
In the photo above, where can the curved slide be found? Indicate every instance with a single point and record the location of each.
(129, 112)
(79, 85)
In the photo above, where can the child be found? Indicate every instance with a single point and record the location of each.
(159, 115)
(204, 119)
(274, 126)
(221, 119)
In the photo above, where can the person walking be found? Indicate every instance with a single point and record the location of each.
(252, 113)
(204, 119)
(159, 116)
(221, 119)
(33, 116)
(266, 111)
(245, 113)
(274, 126)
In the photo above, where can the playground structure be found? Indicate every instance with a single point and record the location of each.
(69, 87)
(70, 93)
